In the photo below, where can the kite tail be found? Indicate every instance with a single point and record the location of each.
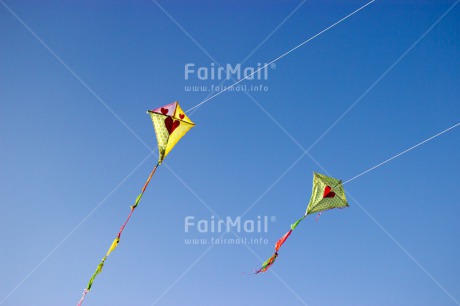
(82, 297)
(117, 239)
(269, 262)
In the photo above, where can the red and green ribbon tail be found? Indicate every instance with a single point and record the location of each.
(117, 239)
(269, 262)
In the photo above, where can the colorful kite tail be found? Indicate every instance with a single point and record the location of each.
(117, 239)
(269, 262)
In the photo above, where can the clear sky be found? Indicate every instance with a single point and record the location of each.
(77, 145)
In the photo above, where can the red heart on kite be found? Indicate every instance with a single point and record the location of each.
(328, 193)
(171, 125)
(164, 111)
(181, 116)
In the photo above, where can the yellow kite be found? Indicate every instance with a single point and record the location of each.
(171, 124)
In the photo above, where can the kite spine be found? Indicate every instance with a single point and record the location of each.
(117, 239)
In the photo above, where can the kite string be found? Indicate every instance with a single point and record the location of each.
(402, 153)
(280, 57)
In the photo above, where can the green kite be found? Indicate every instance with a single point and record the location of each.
(327, 193)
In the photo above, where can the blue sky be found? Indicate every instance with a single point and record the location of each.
(77, 145)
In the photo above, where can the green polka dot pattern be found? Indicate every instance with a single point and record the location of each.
(161, 133)
(324, 198)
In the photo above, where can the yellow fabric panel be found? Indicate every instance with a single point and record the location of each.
(176, 135)
(113, 246)
(181, 115)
